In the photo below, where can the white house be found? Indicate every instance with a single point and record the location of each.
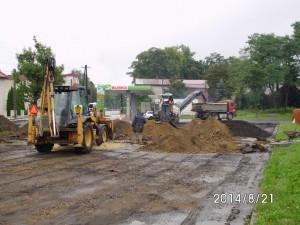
(71, 78)
(5, 85)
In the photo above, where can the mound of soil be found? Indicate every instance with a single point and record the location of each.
(7, 125)
(244, 129)
(209, 136)
(122, 130)
(196, 137)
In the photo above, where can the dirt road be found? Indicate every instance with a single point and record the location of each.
(117, 184)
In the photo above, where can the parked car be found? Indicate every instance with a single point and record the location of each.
(149, 115)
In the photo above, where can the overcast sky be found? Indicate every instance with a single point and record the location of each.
(108, 35)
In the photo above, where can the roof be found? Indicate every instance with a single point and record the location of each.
(72, 75)
(21, 77)
(3, 75)
(166, 82)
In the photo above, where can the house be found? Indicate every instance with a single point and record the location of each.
(5, 85)
(71, 78)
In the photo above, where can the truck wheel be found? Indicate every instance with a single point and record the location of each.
(230, 116)
(44, 147)
(88, 139)
(217, 116)
(102, 135)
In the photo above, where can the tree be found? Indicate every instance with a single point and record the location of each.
(20, 103)
(214, 58)
(177, 88)
(221, 92)
(191, 69)
(214, 74)
(90, 85)
(31, 63)
(166, 63)
(157, 63)
(9, 101)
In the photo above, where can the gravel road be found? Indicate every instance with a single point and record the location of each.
(118, 184)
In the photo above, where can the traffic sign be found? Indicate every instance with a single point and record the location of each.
(33, 110)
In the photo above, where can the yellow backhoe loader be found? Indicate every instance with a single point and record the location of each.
(64, 117)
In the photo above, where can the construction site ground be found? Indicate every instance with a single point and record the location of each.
(121, 183)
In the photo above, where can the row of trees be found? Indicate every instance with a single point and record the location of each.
(266, 73)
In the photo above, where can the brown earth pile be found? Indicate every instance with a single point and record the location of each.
(7, 125)
(198, 136)
(122, 129)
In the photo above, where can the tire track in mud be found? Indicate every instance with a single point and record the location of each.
(127, 187)
(138, 175)
(59, 169)
(191, 219)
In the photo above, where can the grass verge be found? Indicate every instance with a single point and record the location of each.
(268, 114)
(281, 178)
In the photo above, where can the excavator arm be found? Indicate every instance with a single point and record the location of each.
(47, 113)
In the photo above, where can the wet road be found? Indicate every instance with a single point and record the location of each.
(117, 184)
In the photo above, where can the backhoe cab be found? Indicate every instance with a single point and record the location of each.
(64, 117)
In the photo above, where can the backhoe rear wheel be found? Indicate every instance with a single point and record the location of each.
(102, 135)
(88, 139)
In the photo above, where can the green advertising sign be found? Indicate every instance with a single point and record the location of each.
(101, 95)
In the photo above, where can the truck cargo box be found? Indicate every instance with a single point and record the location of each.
(209, 107)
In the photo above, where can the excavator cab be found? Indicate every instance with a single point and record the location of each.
(66, 97)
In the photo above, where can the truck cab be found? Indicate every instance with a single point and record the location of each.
(231, 106)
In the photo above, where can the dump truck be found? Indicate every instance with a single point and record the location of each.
(225, 109)
(64, 118)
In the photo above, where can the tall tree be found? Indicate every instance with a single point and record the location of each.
(276, 58)
(214, 58)
(167, 63)
(20, 103)
(31, 63)
(214, 74)
(221, 92)
(177, 88)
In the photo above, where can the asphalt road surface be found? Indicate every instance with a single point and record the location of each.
(117, 184)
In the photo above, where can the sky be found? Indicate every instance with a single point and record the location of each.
(108, 35)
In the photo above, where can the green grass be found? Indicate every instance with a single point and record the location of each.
(267, 114)
(281, 178)
(286, 126)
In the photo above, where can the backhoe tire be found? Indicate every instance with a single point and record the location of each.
(44, 147)
(102, 135)
(88, 139)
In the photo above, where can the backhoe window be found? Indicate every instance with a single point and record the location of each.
(62, 109)
(79, 99)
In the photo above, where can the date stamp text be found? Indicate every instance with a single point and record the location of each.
(243, 198)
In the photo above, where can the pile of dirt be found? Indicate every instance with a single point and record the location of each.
(7, 125)
(195, 137)
(244, 129)
(209, 136)
(122, 130)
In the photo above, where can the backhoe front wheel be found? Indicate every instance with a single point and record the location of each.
(88, 139)
(102, 133)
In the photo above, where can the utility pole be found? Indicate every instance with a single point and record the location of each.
(85, 82)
